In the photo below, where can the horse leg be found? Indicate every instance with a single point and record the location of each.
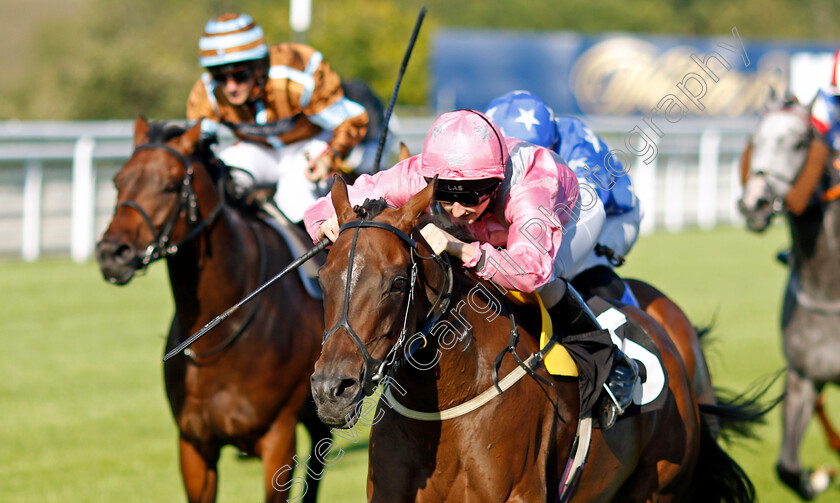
(321, 436)
(798, 407)
(200, 472)
(277, 450)
(833, 438)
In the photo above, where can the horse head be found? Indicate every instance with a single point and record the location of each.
(782, 164)
(376, 284)
(157, 205)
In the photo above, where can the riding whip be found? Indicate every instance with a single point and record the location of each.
(406, 57)
(218, 319)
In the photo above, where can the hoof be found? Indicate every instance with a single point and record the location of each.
(807, 483)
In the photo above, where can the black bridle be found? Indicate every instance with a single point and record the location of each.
(160, 246)
(374, 369)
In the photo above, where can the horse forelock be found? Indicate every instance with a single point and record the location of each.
(371, 208)
(162, 131)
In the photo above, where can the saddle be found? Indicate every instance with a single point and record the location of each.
(296, 239)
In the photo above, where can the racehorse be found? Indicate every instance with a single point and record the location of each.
(448, 435)
(786, 169)
(245, 383)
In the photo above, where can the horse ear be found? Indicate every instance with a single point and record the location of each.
(410, 211)
(341, 201)
(404, 153)
(745, 164)
(141, 131)
(187, 141)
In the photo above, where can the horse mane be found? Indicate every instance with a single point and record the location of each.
(162, 132)
(441, 220)
(373, 207)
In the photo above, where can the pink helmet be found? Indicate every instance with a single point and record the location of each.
(464, 145)
(835, 69)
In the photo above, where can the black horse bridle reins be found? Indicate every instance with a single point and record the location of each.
(160, 246)
(375, 369)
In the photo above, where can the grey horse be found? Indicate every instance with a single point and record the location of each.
(787, 170)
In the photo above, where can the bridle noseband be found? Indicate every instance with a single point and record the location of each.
(160, 247)
(374, 369)
(777, 201)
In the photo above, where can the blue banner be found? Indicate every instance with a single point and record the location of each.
(625, 74)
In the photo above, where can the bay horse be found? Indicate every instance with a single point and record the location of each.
(246, 383)
(787, 170)
(381, 284)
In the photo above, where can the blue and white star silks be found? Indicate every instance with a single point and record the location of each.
(527, 118)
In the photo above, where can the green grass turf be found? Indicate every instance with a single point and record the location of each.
(83, 415)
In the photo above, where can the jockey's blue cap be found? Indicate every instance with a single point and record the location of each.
(522, 115)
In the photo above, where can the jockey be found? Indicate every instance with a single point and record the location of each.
(520, 114)
(531, 225)
(285, 105)
(825, 111)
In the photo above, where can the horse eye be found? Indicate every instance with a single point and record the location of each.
(800, 145)
(398, 285)
(171, 187)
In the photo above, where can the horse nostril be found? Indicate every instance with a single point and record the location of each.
(347, 387)
(124, 254)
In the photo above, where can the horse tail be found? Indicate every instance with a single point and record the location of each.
(717, 477)
(737, 416)
(702, 331)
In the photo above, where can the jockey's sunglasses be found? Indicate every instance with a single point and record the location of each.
(240, 76)
(466, 193)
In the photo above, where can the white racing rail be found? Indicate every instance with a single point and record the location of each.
(56, 194)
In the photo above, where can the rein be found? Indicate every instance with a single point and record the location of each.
(374, 369)
(263, 254)
(800, 189)
(777, 201)
(160, 247)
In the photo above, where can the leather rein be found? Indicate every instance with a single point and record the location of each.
(375, 369)
(160, 246)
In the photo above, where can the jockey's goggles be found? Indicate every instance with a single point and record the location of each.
(465, 192)
(239, 75)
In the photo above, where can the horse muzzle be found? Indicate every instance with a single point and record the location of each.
(117, 260)
(337, 398)
(758, 215)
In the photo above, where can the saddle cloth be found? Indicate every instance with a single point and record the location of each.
(626, 334)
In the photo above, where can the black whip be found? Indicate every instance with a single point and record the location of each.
(218, 319)
(406, 57)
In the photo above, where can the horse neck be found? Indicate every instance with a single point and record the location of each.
(464, 367)
(206, 274)
(816, 244)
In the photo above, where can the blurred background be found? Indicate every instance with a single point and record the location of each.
(82, 412)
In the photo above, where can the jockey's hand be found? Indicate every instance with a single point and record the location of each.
(320, 167)
(441, 241)
(329, 229)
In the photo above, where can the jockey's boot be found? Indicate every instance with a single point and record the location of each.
(619, 388)
(571, 316)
